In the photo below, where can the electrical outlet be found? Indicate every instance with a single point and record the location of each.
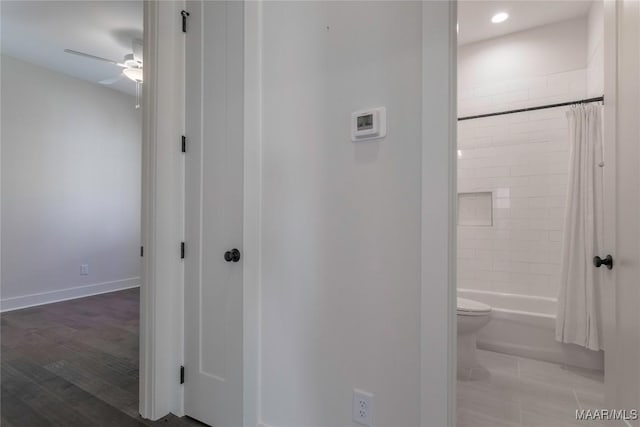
(84, 269)
(362, 407)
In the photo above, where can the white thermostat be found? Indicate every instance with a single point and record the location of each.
(369, 124)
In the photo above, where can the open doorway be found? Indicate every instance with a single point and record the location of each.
(526, 70)
(71, 203)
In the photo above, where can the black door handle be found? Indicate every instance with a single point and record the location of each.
(232, 256)
(608, 261)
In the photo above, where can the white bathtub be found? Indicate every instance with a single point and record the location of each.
(524, 325)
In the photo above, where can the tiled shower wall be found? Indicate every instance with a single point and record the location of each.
(522, 159)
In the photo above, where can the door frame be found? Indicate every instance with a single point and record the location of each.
(439, 206)
(162, 220)
(610, 41)
(622, 132)
(163, 228)
(162, 289)
(252, 202)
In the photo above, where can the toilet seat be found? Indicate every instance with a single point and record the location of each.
(468, 307)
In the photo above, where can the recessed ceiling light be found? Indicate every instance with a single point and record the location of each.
(499, 17)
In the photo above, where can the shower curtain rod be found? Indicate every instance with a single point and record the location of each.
(541, 107)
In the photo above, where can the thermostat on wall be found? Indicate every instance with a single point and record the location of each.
(369, 124)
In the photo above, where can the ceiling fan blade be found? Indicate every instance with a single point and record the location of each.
(86, 55)
(136, 45)
(112, 80)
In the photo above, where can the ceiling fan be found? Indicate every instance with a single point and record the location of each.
(131, 66)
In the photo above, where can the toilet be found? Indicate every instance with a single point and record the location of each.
(472, 316)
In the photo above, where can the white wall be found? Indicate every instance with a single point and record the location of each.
(70, 186)
(595, 50)
(341, 221)
(521, 158)
(537, 52)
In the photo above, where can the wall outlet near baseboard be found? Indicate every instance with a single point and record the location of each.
(84, 269)
(362, 407)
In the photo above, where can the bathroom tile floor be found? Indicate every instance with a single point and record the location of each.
(523, 392)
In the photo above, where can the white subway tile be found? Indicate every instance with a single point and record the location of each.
(464, 173)
(489, 90)
(518, 85)
(523, 159)
(502, 204)
(549, 113)
(466, 253)
(543, 268)
(491, 172)
(466, 233)
(485, 255)
(529, 235)
(490, 131)
(482, 183)
(555, 236)
(518, 95)
(501, 265)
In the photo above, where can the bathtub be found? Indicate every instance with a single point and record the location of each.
(524, 325)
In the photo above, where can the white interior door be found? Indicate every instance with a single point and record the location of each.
(214, 212)
(621, 288)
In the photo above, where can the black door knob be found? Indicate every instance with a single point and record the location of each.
(232, 256)
(608, 261)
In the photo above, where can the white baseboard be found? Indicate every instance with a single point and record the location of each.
(15, 303)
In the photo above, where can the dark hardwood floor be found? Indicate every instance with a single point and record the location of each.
(74, 363)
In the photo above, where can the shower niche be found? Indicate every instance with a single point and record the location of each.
(475, 209)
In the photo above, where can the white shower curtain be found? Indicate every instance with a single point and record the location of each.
(579, 319)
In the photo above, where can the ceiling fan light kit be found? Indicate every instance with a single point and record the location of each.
(134, 74)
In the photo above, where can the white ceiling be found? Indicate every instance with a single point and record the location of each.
(39, 31)
(474, 17)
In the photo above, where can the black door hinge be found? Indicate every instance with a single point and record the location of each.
(184, 14)
(181, 374)
(141, 250)
(184, 144)
(181, 250)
